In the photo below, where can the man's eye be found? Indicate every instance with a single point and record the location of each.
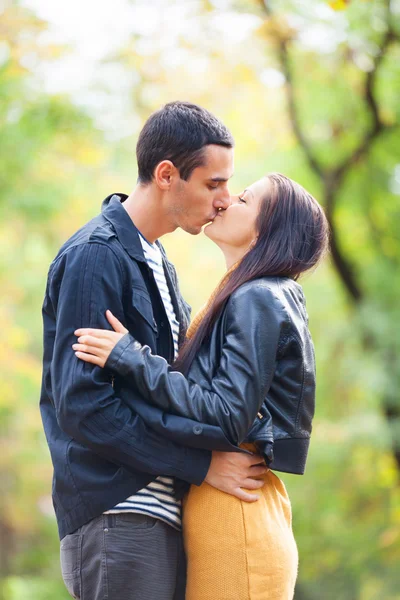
(212, 187)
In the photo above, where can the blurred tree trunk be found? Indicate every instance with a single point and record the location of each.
(332, 179)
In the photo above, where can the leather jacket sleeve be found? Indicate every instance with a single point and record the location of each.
(252, 328)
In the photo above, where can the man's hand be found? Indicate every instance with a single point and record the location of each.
(232, 471)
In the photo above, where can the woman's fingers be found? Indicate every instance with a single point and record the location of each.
(90, 340)
(98, 333)
(115, 324)
(90, 358)
(93, 350)
(95, 345)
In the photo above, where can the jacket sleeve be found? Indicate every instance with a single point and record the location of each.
(252, 324)
(83, 283)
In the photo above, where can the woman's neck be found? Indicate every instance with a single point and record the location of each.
(232, 255)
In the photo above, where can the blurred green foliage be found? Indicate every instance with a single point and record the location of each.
(55, 168)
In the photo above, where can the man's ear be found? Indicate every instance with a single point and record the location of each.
(164, 173)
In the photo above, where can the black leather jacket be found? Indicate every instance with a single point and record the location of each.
(254, 377)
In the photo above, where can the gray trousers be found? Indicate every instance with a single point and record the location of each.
(126, 556)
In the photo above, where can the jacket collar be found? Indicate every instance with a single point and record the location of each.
(128, 235)
(126, 231)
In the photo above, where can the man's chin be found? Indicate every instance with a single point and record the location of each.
(196, 229)
(193, 229)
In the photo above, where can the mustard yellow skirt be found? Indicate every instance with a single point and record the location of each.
(236, 550)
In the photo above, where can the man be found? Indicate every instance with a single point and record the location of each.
(120, 466)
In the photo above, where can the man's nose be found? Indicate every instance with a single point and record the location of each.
(223, 201)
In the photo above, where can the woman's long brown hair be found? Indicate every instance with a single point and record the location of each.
(293, 236)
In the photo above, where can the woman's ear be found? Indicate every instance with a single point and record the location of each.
(253, 243)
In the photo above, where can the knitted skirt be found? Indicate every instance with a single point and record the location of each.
(237, 550)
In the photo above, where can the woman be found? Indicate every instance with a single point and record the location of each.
(247, 366)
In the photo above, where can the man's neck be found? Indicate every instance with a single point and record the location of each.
(145, 208)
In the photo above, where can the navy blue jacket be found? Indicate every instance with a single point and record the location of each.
(105, 441)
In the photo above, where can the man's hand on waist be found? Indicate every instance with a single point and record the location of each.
(232, 471)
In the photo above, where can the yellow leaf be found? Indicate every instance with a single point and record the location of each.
(339, 4)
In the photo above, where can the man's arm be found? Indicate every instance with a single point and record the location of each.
(83, 283)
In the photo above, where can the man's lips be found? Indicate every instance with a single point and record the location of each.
(211, 219)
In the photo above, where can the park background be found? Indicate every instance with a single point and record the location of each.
(308, 88)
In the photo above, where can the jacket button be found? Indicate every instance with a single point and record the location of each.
(197, 429)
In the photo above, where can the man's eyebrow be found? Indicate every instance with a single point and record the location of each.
(218, 179)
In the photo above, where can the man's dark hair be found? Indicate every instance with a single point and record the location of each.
(178, 132)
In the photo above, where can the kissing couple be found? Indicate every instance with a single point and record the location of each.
(166, 436)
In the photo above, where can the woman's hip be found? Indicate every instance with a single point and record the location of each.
(245, 549)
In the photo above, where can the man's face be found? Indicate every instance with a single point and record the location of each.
(195, 202)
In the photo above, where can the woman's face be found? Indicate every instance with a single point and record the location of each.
(235, 226)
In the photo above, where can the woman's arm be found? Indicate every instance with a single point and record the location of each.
(239, 387)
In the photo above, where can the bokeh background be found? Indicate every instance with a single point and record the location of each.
(307, 87)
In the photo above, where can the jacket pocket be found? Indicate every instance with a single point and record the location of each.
(141, 306)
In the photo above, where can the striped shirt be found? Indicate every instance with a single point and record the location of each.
(157, 499)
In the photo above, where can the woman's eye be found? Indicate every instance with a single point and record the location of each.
(241, 199)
